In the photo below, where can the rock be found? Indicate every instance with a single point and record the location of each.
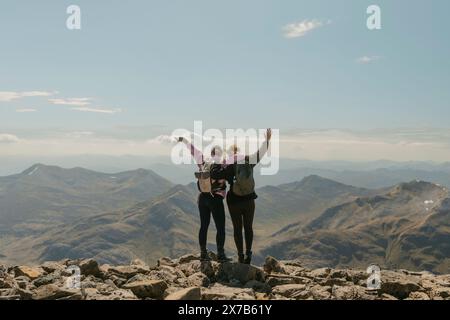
(119, 294)
(258, 286)
(418, 296)
(89, 267)
(221, 292)
(333, 281)
(320, 292)
(442, 292)
(205, 267)
(398, 284)
(273, 265)
(125, 272)
(147, 289)
(47, 279)
(188, 258)
(352, 292)
(241, 272)
(289, 290)
(24, 293)
(198, 279)
(169, 274)
(30, 272)
(22, 281)
(166, 261)
(193, 293)
(52, 266)
(277, 281)
(385, 296)
(52, 292)
(319, 273)
(7, 281)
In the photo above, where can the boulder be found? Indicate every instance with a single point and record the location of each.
(47, 279)
(125, 272)
(319, 273)
(258, 286)
(205, 267)
(239, 271)
(319, 292)
(30, 272)
(166, 261)
(273, 265)
(53, 292)
(192, 293)
(441, 292)
(52, 266)
(221, 292)
(22, 281)
(147, 288)
(198, 279)
(398, 284)
(89, 267)
(418, 296)
(352, 292)
(289, 290)
(188, 258)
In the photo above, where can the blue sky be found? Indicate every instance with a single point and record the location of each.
(153, 66)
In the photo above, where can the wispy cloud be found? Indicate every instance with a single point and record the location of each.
(300, 29)
(7, 96)
(79, 102)
(367, 59)
(80, 134)
(97, 110)
(8, 138)
(25, 110)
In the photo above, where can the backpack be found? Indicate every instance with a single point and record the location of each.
(204, 177)
(244, 183)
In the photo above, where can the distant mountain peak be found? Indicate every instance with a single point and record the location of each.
(418, 186)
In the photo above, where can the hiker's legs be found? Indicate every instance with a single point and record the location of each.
(236, 219)
(205, 218)
(218, 213)
(248, 215)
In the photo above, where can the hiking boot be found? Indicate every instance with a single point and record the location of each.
(248, 258)
(240, 257)
(204, 256)
(221, 257)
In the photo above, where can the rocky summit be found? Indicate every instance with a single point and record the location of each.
(188, 278)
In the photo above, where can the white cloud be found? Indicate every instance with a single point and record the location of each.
(300, 29)
(367, 59)
(163, 139)
(97, 110)
(8, 138)
(25, 110)
(80, 134)
(79, 102)
(7, 96)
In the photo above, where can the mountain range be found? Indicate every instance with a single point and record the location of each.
(50, 213)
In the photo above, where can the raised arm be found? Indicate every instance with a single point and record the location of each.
(196, 154)
(256, 157)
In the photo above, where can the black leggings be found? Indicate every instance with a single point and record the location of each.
(208, 205)
(242, 214)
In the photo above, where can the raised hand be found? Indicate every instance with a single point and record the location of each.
(268, 134)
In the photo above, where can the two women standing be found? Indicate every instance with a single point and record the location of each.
(237, 170)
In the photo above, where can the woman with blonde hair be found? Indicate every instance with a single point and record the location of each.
(241, 196)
